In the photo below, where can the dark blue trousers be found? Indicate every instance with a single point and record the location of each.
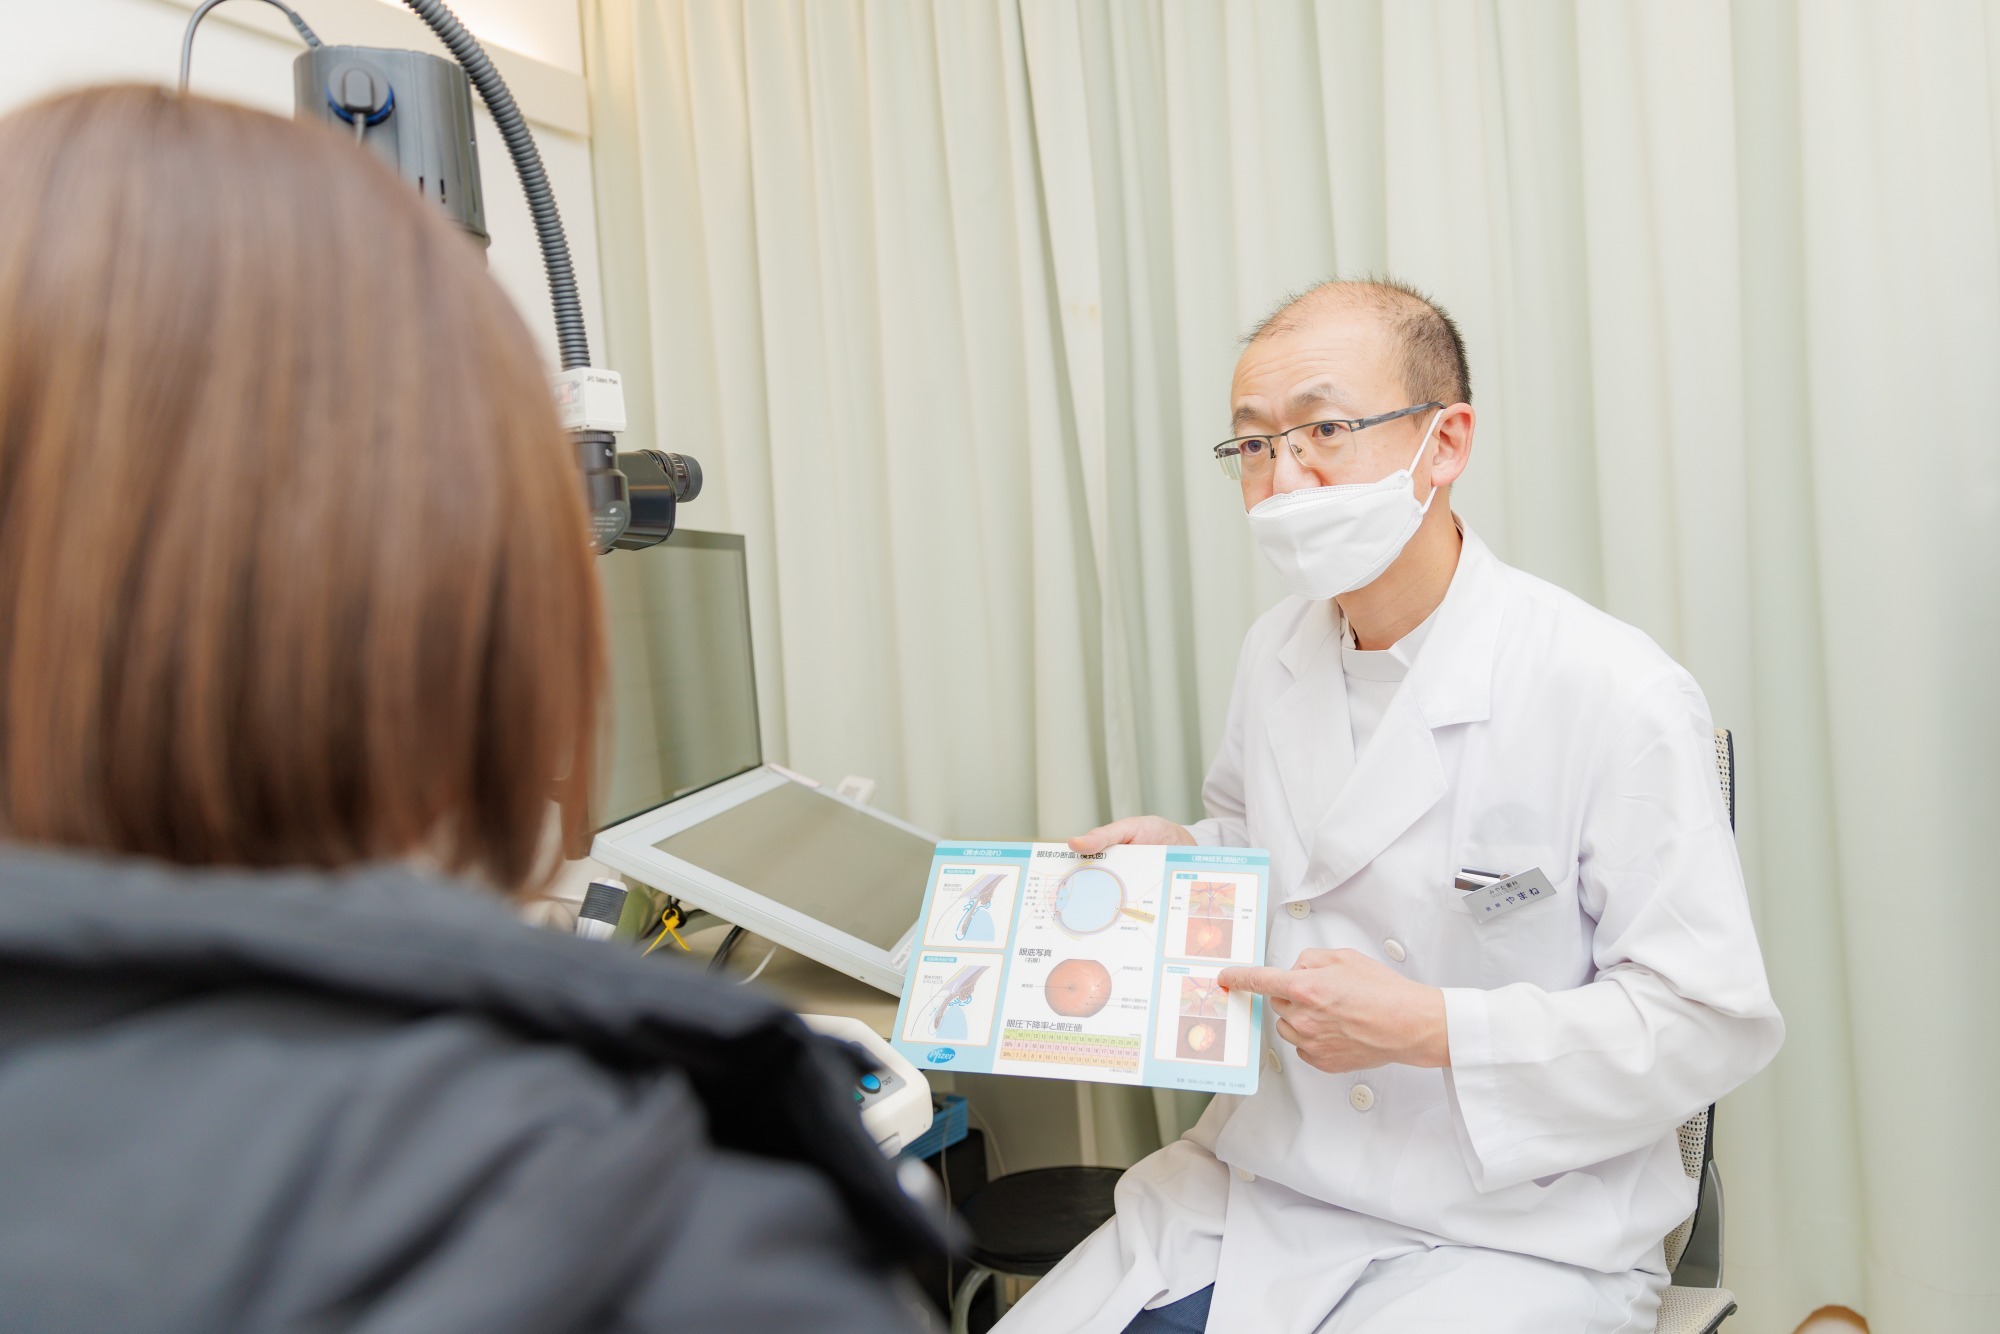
(1189, 1315)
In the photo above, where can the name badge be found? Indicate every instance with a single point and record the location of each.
(1504, 896)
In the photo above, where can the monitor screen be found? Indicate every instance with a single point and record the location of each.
(683, 690)
(817, 855)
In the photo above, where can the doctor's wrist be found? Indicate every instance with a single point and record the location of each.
(1430, 1040)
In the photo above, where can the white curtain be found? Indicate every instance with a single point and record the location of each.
(945, 297)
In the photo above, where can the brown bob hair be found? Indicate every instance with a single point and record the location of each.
(294, 567)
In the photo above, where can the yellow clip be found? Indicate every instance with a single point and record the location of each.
(668, 921)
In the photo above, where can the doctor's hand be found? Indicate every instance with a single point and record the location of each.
(1132, 829)
(1344, 1011)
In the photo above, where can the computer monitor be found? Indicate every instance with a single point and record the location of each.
(687, 804)
(683, 685)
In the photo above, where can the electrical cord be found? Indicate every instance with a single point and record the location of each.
(758, 971)
(194, 21)
(999, 1158)
(570, 335)
(671, 921)
(944, 1175)
(722, 951)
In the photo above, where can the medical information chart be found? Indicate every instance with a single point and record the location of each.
(1033, 960)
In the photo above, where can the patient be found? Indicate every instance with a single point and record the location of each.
(298, 634)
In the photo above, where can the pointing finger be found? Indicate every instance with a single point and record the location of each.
(1319, 958)
(1258, 981)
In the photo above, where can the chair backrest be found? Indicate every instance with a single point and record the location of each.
(1725, 766)
(1697, 1133)
(1694, 1157)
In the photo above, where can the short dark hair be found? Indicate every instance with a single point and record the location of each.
(294, 565)
(1433, 350)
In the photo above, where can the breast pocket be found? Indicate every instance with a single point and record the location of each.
(1544, 942)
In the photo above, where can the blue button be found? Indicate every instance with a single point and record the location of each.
(872, 1083)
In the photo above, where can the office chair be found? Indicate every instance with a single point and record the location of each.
(1025, 1222)
(1696, 1302)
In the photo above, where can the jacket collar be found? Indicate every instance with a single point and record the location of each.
(1384, 791)
(1453, 675)
(1452, 678)
(1316, 630)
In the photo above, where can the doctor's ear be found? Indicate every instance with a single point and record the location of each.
(1451, 444)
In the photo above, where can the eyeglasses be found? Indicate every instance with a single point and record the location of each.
(1252, 456)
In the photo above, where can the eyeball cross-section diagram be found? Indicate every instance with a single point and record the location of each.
(973, 906)
(953, 999)
(1090, 899)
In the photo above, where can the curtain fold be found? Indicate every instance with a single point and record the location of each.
(945, 296)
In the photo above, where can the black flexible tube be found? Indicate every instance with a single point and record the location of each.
(570, 336)
(722, 951)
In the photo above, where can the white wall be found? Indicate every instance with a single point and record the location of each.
(244, 52)
(544, 30)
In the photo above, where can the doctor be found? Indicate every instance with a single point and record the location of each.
(1466, 1119)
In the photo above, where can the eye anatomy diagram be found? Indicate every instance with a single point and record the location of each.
(1078, 988)
(975, 909)
(944, 1012)
(1091, 899)
(972, 906)
(1199, 1020)
(1208, 938)
(954, 1000)
(1212, 916)
(1212, 898)
(1203, 997)
(1035, 960)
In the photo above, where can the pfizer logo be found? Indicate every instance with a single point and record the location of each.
(941, 1055)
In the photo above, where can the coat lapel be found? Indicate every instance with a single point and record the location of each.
(1311, 740)
(1400, 776)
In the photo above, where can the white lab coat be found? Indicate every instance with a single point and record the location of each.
(1532, 731)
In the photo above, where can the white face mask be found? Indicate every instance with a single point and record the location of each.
(1329, 540)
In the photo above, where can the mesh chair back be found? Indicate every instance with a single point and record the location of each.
(1695, 1131)
(1725, 765)
(1694, 1152)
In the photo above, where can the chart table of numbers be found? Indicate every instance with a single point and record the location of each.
(1032, 959)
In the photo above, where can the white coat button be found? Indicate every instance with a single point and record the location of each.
(1242, 1175)
(1394, 949)
(1299, 908)
(1361, 1097)
(1272, 1062)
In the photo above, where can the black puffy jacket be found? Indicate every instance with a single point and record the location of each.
(373, 1101)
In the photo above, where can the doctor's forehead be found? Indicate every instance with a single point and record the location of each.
(1336, 364)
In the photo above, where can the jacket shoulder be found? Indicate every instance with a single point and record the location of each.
(1582, 650)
